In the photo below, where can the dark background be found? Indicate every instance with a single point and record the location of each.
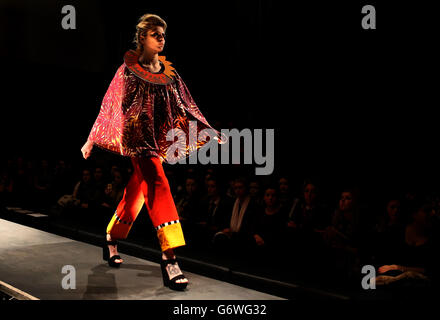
(346, 104)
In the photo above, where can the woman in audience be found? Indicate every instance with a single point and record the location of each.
(343, 237)
(388, 232)
(417, 257)
(270, 224)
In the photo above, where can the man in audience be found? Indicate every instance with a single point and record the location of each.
(238, 236)
(215, 209)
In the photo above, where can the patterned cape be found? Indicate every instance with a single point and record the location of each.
(140, 108)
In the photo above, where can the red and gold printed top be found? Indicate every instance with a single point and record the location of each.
(140, 108)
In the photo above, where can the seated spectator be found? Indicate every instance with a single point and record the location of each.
(215, 210)
(285, 193)
(230, 189)
(345, 223)
(388, 231)
(416, 262)
(270, 223)
(209, 174)
(114, 192)
(84, 191)
(307, 221)
(188, 206)
(307, 213)
(239, 233)
(113, 169)
(254, 192)
(410, 201)
(342, 237)
(100, 185)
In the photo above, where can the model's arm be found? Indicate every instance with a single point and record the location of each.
(106, 118)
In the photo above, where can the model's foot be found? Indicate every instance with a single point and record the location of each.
(113, 250)
(173, 269)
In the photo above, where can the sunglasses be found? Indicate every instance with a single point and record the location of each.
(158, 35)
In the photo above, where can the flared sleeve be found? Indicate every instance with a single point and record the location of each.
(108, 130)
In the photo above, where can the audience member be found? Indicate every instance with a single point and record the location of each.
(216, 207)
(343, 237)
(416, 262)
(308, 213)
(388, 232)
(100, 185)
(85, 191)
(255, 192)
(188, 206)
(270, 224)
(114, 192)
(286, 195)
(238, 236)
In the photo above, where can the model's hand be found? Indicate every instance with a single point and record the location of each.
(87, 149)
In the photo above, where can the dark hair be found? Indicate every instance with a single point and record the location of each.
(242, 180)
(271, 186)
(191, 177)
(312, 182)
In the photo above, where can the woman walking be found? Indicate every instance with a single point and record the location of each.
(145, 102)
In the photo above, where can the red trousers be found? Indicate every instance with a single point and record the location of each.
(148, 184)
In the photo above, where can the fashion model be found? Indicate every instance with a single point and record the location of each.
(146, 99)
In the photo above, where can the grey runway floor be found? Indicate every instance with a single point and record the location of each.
(32, 261)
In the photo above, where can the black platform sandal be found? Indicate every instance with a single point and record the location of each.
(106, 254)
(171, 283)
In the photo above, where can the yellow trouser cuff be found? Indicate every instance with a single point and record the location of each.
(118, 229)
(171, 236)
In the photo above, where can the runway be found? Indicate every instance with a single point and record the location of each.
(32, 261)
